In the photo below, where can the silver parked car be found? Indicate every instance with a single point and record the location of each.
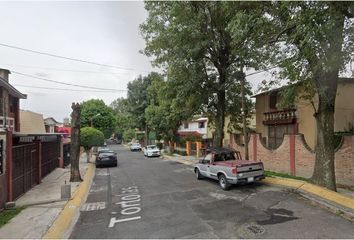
(151, 151)
(228, 168)
(135, 147)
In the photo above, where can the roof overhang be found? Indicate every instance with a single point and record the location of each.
(11, 89)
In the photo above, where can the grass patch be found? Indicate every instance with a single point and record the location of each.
(7, 214)
(284, 175)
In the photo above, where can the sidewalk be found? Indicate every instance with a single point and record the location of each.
(340, 202)
(43, 205)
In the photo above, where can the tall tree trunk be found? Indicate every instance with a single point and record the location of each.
(220, 111)
(324, 172)
(87, 155)
(146, 135)
(75, 143)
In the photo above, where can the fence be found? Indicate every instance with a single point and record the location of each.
(294, 157)
(25, 170)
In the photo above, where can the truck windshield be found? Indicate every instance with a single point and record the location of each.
(224, 157)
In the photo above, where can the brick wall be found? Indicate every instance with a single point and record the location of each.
(279, 160)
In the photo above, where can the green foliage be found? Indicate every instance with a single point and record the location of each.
(138, 99)
(101, 115)
(128, 135)
(202, 45)
(7, 214)
(91, 137)
(165, 111)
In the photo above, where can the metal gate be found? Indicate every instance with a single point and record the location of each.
(50, 157)
(66, 154)
(25, 168)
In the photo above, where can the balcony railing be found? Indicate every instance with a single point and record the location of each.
(280, 117)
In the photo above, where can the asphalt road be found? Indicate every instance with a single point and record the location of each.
(156, 198)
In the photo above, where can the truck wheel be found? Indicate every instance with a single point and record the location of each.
(224, 184)
(198, 175)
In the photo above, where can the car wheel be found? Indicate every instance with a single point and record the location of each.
(197, 174)
(224, 184)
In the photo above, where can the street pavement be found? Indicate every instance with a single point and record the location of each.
(158, 198)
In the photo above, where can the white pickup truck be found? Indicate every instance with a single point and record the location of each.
(228, 168)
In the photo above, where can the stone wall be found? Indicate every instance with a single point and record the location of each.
(294, 157)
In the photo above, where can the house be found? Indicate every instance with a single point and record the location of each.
(27, 154)
(9, 123)
(285, 138)
(31, 122)
(272, 121)
(51, 125)
(9, 103)
(197, 127)
(200, 130)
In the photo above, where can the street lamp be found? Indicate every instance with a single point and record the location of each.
(98, 114)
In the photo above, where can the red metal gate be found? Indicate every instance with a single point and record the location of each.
(25, 168)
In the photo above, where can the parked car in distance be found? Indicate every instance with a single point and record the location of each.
(228, 168)
(103, 149)
(152, 151)
(107, 158)
(135, 147)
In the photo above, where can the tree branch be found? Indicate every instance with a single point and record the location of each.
(286, 30)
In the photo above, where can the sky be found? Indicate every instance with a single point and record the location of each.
(101, 32)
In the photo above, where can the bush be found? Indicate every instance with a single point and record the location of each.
(91, 137)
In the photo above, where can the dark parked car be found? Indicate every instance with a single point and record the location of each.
(107, 158)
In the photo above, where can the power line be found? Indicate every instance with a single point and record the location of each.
(67, 89)
(265, 70)
(60, 69)
(64, 83)
(68, 58)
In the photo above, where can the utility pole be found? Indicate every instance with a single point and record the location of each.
(243, 104)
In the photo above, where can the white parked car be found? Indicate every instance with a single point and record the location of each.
(135, 147)
(151, 151)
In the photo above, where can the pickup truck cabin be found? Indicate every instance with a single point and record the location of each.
(228, 168)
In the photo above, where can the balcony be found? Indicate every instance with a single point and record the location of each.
(280, 117)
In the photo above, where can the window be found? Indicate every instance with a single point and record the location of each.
(1, 157)
(273, 101)
(207, 158)
(201, 124)
(185, 125)
(276, 134)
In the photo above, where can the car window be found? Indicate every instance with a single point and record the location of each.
(229, 156)
(207, 158)
(219, 158)
(106, 154)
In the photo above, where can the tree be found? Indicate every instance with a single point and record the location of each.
(194, 37)
(96, 113)
(138, 100)
(314, 40)
(90, 137)
(124, 120)
(166, 110)
(75, 143)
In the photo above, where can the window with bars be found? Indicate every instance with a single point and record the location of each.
(276, 134)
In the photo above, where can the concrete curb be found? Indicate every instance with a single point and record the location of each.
(315, 190)
(66, 216)
(186, 162)
(301, 186)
